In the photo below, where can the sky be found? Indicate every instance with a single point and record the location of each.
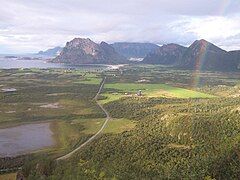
(28, 26)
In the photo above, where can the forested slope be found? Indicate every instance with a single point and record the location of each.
(173, 138)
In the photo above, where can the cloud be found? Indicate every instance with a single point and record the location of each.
(217, 29)
(29, 26)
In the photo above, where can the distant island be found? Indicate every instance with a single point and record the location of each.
(53, 52)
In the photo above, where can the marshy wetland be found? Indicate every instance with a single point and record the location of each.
(53, 96)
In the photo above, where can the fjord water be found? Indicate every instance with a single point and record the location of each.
(25, 139)
(12, 63)
(41, 64)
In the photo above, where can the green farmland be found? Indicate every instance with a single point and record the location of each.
(150, 90)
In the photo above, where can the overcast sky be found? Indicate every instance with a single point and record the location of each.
(32, 25)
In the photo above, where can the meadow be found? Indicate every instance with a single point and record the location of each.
(150, 90)
(10, 176)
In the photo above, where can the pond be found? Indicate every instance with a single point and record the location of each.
(24, 139)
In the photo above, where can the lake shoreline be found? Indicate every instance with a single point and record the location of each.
(43, 64)
(40, 140)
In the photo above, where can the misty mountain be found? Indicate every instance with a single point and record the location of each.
(51, 52)
(167, 55)
(134, 50)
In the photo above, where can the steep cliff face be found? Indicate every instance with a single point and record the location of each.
(85, 51)
(169, 54)
(235, 58)
(204, 55)
(134, 50)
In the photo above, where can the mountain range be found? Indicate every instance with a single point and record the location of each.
(169, 54)
(201, 54)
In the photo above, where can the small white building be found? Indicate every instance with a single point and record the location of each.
(139, 93)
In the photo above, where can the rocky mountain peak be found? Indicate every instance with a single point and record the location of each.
(80, 42)
(104, 44)
(85, 51)
(166, 54)
(203, 45)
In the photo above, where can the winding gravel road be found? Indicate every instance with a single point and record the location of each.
(100, 130)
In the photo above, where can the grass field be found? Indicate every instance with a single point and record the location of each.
(150, 90)
(119, 125)
(90, 78)
(10, 176)
(113, 126)
(91, 81)
(110, 97)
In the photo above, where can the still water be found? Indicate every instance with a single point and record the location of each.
(12, 63)
(25, 139)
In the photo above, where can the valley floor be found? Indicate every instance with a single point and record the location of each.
(176, 128)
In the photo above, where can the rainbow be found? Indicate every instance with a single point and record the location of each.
(224, 5)
(198, 65)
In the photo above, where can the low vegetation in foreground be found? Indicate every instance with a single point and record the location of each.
(179, 128)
